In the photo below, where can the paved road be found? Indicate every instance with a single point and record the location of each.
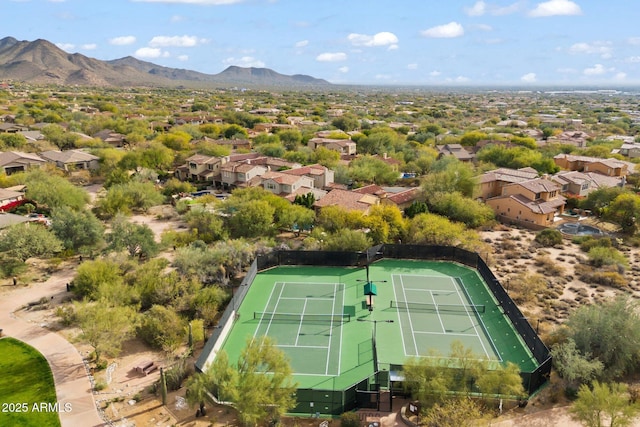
(72, 383)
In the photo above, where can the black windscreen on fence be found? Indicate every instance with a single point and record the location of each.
(532, 380)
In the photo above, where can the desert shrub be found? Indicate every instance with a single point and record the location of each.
(549, 266)
(350, 419)
(588, 243)
(178, 373)
(549, 237)
(605, 278)
(524, 288)
(162, 328)
(600, 256)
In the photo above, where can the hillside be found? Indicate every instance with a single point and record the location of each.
(42, 62)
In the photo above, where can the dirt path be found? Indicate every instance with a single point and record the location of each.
(69, 372)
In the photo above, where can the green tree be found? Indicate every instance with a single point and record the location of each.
(501, 381)
(79, 230)
(608, 331)
(296, 216)
(453, 412)
(459, 208)
(92, 275)
(573, 366)
(597, 201)
(175, 186)
(372, 170)
(52, 191)
(431, 229)
(306, 200)
(450, 175)
(264, 396)
(253, 218)
(29, 240)
(290, 138)
(416, 208)
(105, 328)
(624, 210)
(346, 122)
(162, 328)
(206, 225)
(604, 405)
(132, 195)
(428, 379)
(346, 240)
(136, 239)
(234, 131)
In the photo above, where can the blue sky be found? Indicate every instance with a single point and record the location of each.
(425, 42)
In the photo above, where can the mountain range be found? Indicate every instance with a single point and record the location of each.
(42, 62)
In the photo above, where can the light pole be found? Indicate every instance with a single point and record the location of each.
(375, 322)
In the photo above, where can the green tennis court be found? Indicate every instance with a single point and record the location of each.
(319, 317)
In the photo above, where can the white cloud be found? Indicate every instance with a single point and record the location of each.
(555, 8)
(478, 9)
(462, 79)
(635, 41)
(382, 76)
(302, 43)
(450, 30)
(384, 38)
(89, 46)
(122, 40)
(175, 41)
(244, 61)
(331, 57)
(632, 59)
(597, 70)
(620, 76)
(151, 52)
(506, 10)
(344, 69)
(198, 2)
(435, 73)
(482, 27)
(177, 18)
(183, 58)
(66, 46)
(412, 66)
(596, 48)
(529, 78)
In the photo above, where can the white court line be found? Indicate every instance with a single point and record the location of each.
(265, 308)
(302, 346)
(333, 312)
(393, 283)
(275, 309)
(307, 298)
(446, 333)
(472, 320)
(304, 308)
(438, 312)
(341, 326)
(415, 344)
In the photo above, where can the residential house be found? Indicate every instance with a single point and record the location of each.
(200, 168)
(536, 201)
(580, 184)
(112, 138)
(575, 138)
(455, 150)
(71, 160)
(490, 183)
(349, 200)
(322, 177)
(237, 174)
(628, 149)
(16, 161)
(10, 199)
(609, 167)
(343, 146)
(403, 199)
(283, 184)
(8, 127)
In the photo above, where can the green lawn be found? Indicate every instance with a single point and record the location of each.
(25, 380)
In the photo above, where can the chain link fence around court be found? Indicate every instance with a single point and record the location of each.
(338, 401)
(532, 380)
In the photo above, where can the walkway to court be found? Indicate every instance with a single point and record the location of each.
(71, 380)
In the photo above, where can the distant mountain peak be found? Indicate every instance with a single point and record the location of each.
(41, 61)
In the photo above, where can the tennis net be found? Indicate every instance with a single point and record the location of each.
(448, 308)
(302, 317)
